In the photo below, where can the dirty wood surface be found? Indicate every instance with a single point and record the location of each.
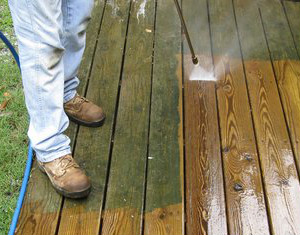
(83, 217)
(164, 206)
(211, 153)
(126, 183)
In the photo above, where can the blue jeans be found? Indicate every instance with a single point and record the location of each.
(51, 39)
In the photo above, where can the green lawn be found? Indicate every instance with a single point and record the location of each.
(13, 126)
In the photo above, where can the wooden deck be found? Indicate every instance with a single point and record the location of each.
(177, 156)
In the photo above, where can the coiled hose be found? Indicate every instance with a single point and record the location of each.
(15, 218)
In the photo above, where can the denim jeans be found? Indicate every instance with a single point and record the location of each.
(51, 40)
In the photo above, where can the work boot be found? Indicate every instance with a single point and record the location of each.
(84, 112)
(67, 177)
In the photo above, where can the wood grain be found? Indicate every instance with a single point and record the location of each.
(164, 195)
(205, 199)
(166, 220)
(278, 166)
(246, 207)
(128, 218)
(93, 144)
(286, 66)
(277, 161)
(41, 207)
(204, 181)
(125, 193)
(288, 78)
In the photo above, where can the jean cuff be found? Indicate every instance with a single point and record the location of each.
(54, 155)
(69, 96)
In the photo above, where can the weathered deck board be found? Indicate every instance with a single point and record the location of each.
(292, 9)
(244, 192)
(277, 161)
(42, 204)
(93, 144)
(125, 196)
(39, 214)
(164, 196)
(88, 58)
(205, 199)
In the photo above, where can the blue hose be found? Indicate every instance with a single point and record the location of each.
(15, 218)
(11, 48)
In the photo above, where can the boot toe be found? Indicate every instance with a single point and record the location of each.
(78, 184)
(96, 114)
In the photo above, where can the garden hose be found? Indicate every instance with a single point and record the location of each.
(15, 218)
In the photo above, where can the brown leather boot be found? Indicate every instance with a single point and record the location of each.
(67, 177)
(84, 112)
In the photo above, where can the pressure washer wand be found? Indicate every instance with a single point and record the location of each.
(194, 58)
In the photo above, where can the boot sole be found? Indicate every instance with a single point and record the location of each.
(73, 195)
(87, 124)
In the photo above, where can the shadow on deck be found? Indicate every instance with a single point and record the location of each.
(179, 156)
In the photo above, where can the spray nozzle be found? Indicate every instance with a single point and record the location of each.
(195, 60)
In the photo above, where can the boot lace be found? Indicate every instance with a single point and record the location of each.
(80, 99)
(67, 162)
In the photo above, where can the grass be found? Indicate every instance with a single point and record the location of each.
(13, 125)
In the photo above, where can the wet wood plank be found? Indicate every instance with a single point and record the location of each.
(125, 195)
(286, 66)
(164, 196)
(284, 182)
(246, 208)
(205, 199)
(277, 161)
(93, 144)
(41, 207)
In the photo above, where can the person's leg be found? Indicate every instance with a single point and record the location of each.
(38, 26)
(76, 15)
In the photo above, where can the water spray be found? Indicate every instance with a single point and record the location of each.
(197, 73)
(194, 57)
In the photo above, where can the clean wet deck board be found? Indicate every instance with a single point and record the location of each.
(178, 156)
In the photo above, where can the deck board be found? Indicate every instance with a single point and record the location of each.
(125, 196)
(272, 135)
(179, 156)
(205, 199)
(246, 209)
(164, 209)
(94, 144)
(292, 12)
(286, 65)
